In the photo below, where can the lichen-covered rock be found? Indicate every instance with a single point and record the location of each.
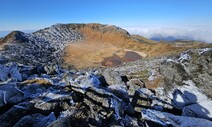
(112, 77)
(142, 99)
(102, 104)
(134, 84)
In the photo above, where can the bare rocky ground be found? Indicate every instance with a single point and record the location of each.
(166, 91)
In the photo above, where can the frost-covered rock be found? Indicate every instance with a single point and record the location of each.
(9, 94)
(112, 77)
(157, 118)
(4, 72)
(190, 65)
(199, 110)
(176, 89)
(51, 101)
(192, 101)
(120, 90)
(108, 104)
(41, 47)
(14, 72)
(10, 71)
(14, 114)
(36, 120)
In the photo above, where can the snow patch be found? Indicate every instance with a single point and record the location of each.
(184, 57)
(201, 51)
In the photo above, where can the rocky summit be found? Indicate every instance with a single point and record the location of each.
(93, 75)
(85, 45)
(165, 91)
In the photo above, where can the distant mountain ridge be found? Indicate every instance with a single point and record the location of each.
(4, 33)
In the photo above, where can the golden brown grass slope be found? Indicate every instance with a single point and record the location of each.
(105, 41)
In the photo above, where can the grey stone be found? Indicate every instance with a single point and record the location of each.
(36, 120)
(13, 115)
(9, 93)
(112, 77)
(157, 118)
(50, 101)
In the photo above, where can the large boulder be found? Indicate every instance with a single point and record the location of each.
(103, 105)
(50, 101)
(199, 110)
(190, 99)
(13, 115)
(4, 72)
(10, 94)
(142, 99)
(78, 117)
(11, 71)
(112, 77)
(36, 120)
(162, 119)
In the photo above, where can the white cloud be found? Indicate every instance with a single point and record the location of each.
(203, 33)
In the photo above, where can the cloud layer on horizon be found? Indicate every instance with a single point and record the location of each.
(200, 33)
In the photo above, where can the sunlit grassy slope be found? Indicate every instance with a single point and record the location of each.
(101, 42)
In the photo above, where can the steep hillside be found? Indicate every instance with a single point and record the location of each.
(41, 47)
(83, 45)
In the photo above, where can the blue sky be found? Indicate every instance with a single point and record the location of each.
(36, 14)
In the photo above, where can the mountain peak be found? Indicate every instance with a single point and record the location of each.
(81, 45)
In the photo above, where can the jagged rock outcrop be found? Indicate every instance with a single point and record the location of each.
(192, 65)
